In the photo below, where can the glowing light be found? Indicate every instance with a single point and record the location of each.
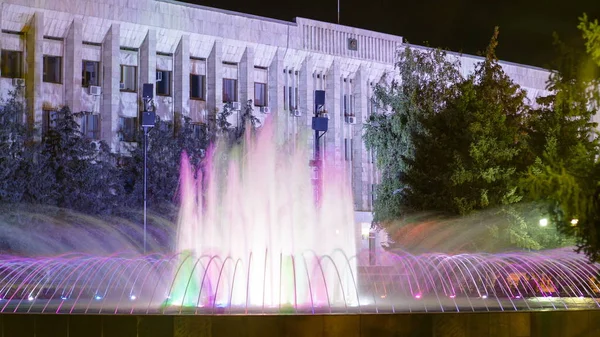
(484, 296)
(64, 297)
(574, 222)
(30, 298)
(98, 297)
(543, 222)
(418, 296)
(132, 297)
(452, 296)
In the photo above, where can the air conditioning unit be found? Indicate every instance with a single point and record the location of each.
(95, 144)
(159, 76)
(351, 119)
(121, 85)
(236, 106)
(265, 109)
(95, 90)
(296, 113)
(18, 82)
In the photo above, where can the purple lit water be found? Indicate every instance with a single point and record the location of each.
(251, 240)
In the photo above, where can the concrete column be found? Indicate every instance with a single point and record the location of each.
(361, 162)
(33, 72)
(181, 76)
(147, 68)
(72, 64)
(276, 82)
(333, 137)
(246, 76)
(214, 79)
(111, 94)
(307, 99)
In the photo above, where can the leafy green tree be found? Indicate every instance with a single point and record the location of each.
(427, 78)
(566, 171)
(591, 34)
(468, 156)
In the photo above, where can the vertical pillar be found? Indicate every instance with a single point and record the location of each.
(111, 94)
(246, 76)
(360, 178)
(181, 75)
(147, 67)
(34, 71)
(276, 81)
(307, 97)
(333, 137)
(73, 65)
(214, 78)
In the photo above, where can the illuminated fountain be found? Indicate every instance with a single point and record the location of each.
(252, 235)
(129, 284)
(251, 240)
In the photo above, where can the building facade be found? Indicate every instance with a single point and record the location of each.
(94, 56)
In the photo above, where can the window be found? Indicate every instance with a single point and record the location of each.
(90, 126)
(198, 130)
(260, 94)
(373, 193)
(163, 83)
(229, 90)
(348, 149)
(197, 87)
(11, 64)
(90, 71)
(297, 98)
(52, 69)
(128, 129)
(49, 118)
(346, 105)
(128, 78)
(285, 106)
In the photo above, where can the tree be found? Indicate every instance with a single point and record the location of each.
(165, 146)
(459, 149)
(468, 156)
(566, 172)
(82, 170)
(426, 79)
(23, 173)
(246, 121)
(591, 35)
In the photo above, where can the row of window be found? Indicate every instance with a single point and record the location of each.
(11, 67)
(90, 126)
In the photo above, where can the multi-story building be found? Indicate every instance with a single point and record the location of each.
(94, 56)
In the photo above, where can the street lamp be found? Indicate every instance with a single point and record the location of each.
(148, 120)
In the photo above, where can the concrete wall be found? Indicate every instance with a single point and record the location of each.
(516, 324)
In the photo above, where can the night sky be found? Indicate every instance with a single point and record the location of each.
(526, 26)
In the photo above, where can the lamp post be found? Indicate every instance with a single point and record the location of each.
(319, 125)
(148, 120)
